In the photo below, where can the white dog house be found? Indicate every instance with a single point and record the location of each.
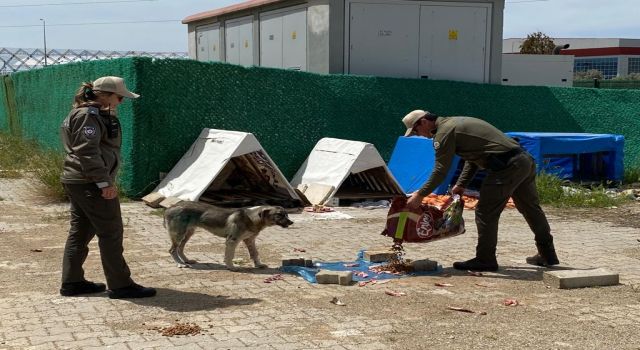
(344, 169)
(448, 39)
(227, 168)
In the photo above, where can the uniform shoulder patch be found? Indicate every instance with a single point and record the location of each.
(436, 145)
(93, 110)
(89, 131)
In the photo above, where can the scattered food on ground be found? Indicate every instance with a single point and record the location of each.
(301, 250)
(273, 278)
(394, 293)
(181, 329)
(511, 302)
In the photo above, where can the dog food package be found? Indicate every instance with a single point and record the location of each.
(425, 224)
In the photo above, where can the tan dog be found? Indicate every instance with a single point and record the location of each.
(235, 225)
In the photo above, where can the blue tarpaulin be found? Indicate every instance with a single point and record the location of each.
(309, 273)
(411, 163)
(575, 156)
(571, 156)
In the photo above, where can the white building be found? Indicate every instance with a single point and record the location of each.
(611, 56)
(449, 39)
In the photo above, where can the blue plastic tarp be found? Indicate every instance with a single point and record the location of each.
(309, 273)
(562, 153)
(412, 161)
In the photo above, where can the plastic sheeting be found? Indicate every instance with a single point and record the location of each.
(412, 161)
(574, 156)
(309, 273)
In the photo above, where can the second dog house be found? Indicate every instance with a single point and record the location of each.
(347, 170)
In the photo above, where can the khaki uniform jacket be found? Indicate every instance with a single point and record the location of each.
(92, 141)
(470, 138)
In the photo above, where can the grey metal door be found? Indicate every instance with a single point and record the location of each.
(454, 42)
(384, 39)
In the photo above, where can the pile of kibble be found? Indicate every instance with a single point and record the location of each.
(181, 329)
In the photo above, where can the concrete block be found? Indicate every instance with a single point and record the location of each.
(343, 278)
(153, 199)
(293, 261)
(380, 255)
(170, 202)
(567, 279)
(424, 265)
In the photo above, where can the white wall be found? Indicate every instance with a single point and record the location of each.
(544, 70)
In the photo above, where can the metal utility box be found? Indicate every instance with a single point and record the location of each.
(283, 39)
(450, 39)
(208, 43)
(239, 41)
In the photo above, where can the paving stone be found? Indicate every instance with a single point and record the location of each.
(343, 278)
(424, 265)
(567, 279)
(297, 261)
(379, 255)
(153, 199)
(170, 202)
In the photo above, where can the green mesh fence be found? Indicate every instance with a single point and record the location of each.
(4, 112)
(290, 111)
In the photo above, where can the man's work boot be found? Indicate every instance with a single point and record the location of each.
(546, 256)
(82, 287)
(476, 264)
(131, 292)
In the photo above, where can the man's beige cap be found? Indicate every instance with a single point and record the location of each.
(113, 84)
(410, 120)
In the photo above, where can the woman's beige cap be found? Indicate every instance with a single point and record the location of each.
(113, 84)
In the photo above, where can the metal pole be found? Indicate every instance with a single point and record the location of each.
(44, 36)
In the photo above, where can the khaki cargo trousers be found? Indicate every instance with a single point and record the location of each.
(93, 215)
(517, 180)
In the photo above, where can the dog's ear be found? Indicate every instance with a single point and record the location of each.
(265, 212)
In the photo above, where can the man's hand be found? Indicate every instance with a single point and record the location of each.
(459, 190)
(414, 201)
(109, 192)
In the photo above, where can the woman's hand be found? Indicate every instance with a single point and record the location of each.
(109, 192)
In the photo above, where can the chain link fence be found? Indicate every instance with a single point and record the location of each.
(16, 60)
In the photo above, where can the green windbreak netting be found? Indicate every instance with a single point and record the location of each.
(290, 111)
(4, 111)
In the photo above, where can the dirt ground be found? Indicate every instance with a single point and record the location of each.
(239, 310)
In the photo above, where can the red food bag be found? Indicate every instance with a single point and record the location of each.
(425, 224)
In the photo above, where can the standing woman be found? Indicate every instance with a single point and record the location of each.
(92, 137)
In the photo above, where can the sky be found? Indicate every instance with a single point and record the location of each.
(71, 24)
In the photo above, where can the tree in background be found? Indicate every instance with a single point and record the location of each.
(537, 43)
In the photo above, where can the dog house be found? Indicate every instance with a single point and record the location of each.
(446, 39)
(227, 168)
(346, 170)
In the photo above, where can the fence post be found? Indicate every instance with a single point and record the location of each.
(596, 83)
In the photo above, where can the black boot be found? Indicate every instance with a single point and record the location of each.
(133, 291)
(546, 256)
(82, 287)
(477, 264)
